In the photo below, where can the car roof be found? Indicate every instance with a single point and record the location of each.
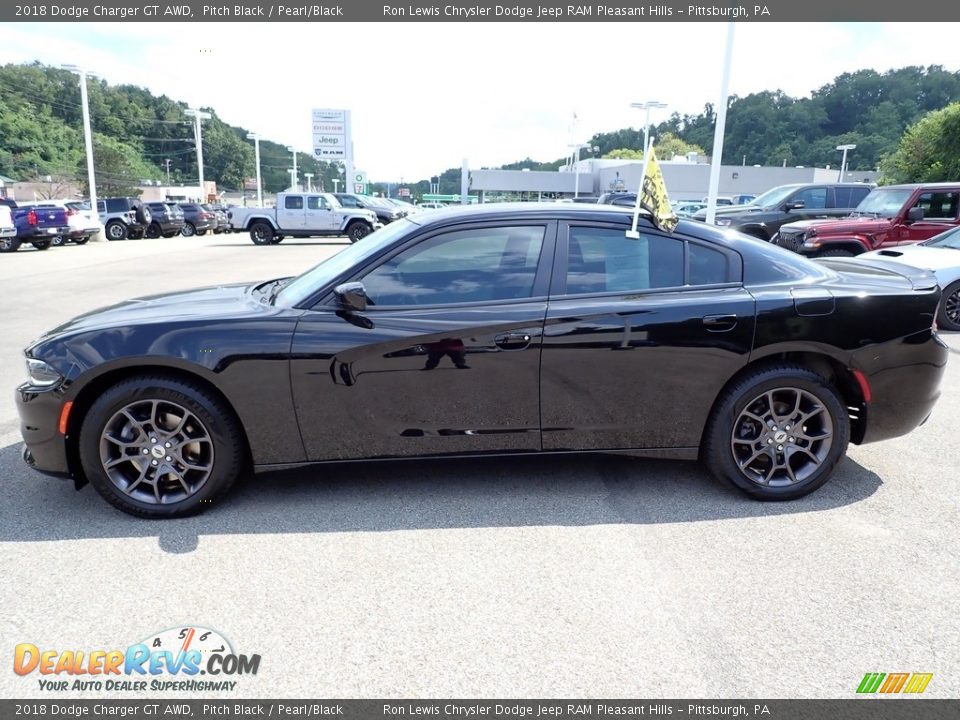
(913, 186)
(525, 210)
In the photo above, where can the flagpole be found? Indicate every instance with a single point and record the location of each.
(649, 105)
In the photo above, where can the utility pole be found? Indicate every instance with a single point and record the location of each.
(198, 117)
(256, 152)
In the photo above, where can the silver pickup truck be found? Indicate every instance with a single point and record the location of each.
(302, 215)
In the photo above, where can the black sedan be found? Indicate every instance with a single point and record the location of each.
(487, 331)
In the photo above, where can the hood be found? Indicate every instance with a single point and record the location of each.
(921, 256)
(863, 224)
(220, 301)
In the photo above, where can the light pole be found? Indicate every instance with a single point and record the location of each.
(336, 185)
(647, 106)
(87, 134)
(309, 177)
(719, 129)
(198, 117)
(167, 163)
(843, 163)
(256, 152)
(293, 150)
(577, 147)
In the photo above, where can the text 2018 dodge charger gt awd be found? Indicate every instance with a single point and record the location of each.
(493, 330)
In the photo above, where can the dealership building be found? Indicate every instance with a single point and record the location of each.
(686, 179)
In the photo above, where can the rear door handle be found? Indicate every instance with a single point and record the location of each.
(719, 323)
(512, 341)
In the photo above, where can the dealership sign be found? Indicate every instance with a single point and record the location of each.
(331, 135)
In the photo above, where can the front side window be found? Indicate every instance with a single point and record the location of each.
(938, 205)
(293, 202)
(814, 198)
(349, 202)
(475, 265)
(603, 260)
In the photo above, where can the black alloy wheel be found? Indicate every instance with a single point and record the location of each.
(948, 314)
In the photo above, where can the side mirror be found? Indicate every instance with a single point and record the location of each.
(352, 295)
(795, 205)
(914, 214)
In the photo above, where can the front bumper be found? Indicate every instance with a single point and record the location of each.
(45, 448)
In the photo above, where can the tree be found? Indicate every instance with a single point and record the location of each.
(624, 154)
(668, 145)
(119, 169)
(929, 150)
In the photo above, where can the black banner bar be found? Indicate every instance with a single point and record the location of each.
(874, 708)
(477, 11)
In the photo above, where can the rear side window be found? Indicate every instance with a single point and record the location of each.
(316, 202)
(850, 197)
(293, 202)
(116, 205)
(939, 205)
(707, 266)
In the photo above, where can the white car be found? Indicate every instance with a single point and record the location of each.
(7, 228)
(81, 220)
(941, 256)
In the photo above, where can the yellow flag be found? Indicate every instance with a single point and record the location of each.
(654, 196)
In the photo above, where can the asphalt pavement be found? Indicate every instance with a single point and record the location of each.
(534, 577)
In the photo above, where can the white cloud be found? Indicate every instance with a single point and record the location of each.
(424, 96)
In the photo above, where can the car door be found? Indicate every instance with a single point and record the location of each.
(940, 209)
(292, 214)
(814, 201)
(640, 337)
(445, 359)
(319, 215)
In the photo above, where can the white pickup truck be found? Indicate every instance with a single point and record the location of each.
(302, 215)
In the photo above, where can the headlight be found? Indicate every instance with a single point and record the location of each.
(41, 374)
(723, 222)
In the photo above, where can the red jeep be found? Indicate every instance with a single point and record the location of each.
(892, 215)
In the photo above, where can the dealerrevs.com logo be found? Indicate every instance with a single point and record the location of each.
(185, 659)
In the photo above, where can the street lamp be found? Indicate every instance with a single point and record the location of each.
(647, 106)
(293, 150)
(577, 147)
(336, 185)
(198, 117)
(309, 177)
(256, 151)
(843, 163)
(87, 134)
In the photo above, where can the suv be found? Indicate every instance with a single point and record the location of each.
(762, 217)
(385, 213)
(196, 220)
(123, 217)
(166, 220)
(891, 215)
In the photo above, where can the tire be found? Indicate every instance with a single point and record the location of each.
(357, 230)
(9, 244)
(42, 244)
(81, 241)
(948, 312)
(143, 215)
(152, 231)
(835, 253)
(201, 232)
(116, 230)
(756, 457)
(188, 230)
(208, 466)
(277, 239)
(171, 234)
(58, 240)
(262, 233)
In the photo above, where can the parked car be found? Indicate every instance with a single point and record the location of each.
(303, 215)
(123, 217)
(38, 226)
(81, 225)
(763, 217)
(743, 199)
(196, 220)
(687, 208)
(888, 216)
(405, 207)
(386, 213)
(431, 206)
(622, 199)
(8, 230)
(166, 220)
(222, 222)
(941, 256)
(413, 342)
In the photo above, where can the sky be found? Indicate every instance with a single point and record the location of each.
(426, 96)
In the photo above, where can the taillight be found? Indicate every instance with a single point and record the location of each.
(32, 217)
(71, 212)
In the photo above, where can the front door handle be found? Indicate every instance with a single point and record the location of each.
(719, 323)
(512, 341)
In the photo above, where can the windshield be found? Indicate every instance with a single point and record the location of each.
(303, 286)
(949, 239)
(883, 203)
(773, 197)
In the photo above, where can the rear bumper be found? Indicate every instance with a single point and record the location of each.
(45, 448)
(43, 233)
(907, 388)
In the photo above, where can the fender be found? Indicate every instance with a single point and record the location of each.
(817, 243)
(254, 218)
(350, 218)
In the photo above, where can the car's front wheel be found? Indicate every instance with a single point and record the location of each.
(777, 433)
(116, 230)
(188, 230)
(261, 233)
(358, 230)
(948, 314)
(160, 447)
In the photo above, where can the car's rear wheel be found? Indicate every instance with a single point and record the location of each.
(261, 233)
(948, 314)
(152, 231)
(42, 244)
(188, 230)
(116, 230)
(9, 244)
(777, 433)
(58, 240)
(201, 232)
(159, 447)
(81, 240)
